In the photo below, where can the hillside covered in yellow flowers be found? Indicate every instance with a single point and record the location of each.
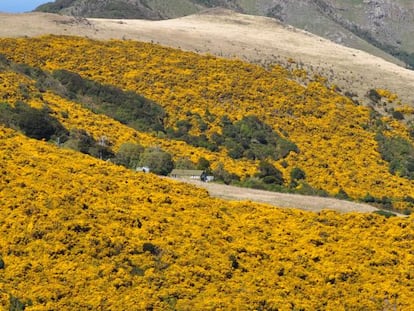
(80, 232)
(341, 147)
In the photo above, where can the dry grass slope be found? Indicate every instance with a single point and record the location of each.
(227, 34)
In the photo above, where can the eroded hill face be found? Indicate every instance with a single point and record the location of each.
(386, 25)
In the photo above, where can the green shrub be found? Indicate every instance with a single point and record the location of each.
(384, 202)
(149, 247)
(220, 174)
(374, 96)
(34, 123)
(247, 138)
(253, 139)
(81, 141)
(397, 115)
(159, 161)
(254, 183)
(184, 163)
(409, 199)
(269, 174)
(342, 195)
(203, 164)
(368, 198)
(125, 106)
(128, 155)
(17, 305)
(386, 214)
(399, 153)
(297, 174)
(307, 189)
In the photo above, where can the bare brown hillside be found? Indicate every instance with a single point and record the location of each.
(228, 34)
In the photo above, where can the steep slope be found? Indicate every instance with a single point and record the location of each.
(218, 32)
(81, 233)
(76, 117)
(141, 9)
(102, 237)
(366, 25)
(336, 139)
(387, 25)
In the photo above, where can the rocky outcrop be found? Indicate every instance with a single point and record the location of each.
(386, 24)
(130, 9)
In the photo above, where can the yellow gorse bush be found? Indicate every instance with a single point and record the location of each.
(336, 149)
(73, 116)
(79, 233)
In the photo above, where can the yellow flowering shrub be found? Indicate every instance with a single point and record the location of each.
(79, 233)
(405, 109)
(338, 151)
(73, 116)
(391, 97)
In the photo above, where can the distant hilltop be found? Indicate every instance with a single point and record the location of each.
(384, 24)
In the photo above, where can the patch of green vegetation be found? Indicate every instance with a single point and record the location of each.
(399, 153)
(81, 141)
(34, 123)
(183, 127)
(384, 202)
(124, 106)
(221, 175)
(129, 155)
(248, 138)
(253, 139)
(386, 214)
(159, 161)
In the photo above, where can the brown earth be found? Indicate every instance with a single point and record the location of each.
(285, 200)
(228, 34)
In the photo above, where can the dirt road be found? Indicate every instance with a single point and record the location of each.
(308, 203)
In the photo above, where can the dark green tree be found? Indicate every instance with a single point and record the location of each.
(203, 164)
(34, 123)
(221, 174)
(184, 163)
(269, 173)
(128, 155)
(159, 161)
(297, 174)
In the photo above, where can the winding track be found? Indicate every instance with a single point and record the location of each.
(285, 200)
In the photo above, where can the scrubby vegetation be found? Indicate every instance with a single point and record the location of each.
(399, 152)
(329, 137)
(81, 233)
(35, 123)
(102, 237)
(125, 107)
